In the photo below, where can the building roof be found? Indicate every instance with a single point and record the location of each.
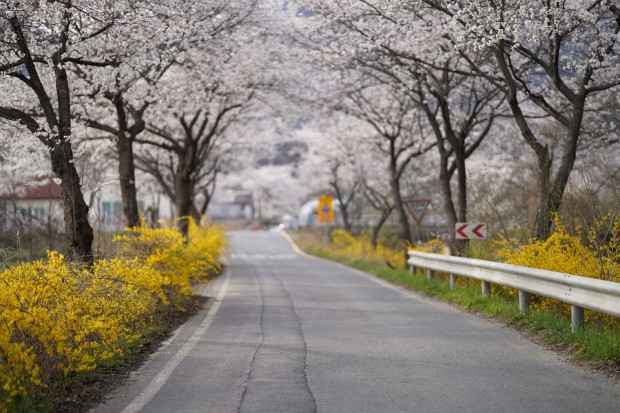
(42, 187)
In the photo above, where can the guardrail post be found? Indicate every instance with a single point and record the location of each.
(411, 269)
(486, 288)
(576, 317)
(452, 281)
(430, 274)
(524, 301)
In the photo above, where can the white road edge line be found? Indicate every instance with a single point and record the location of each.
(396, 288)
(157, 383)
(297, 250)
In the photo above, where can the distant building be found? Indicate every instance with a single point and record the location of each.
(108, 214)
(232, 204)
(36, 203)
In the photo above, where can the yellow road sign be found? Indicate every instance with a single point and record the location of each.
(326, 209)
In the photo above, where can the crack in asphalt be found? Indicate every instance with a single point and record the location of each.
(301, 334)
(260, 342)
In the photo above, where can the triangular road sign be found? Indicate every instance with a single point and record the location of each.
(417, 208)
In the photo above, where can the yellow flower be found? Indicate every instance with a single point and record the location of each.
(566, 253)
(57, 318)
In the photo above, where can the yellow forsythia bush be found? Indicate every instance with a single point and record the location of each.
(176, 261)
(349, 246)
(434, 246)
(594, 254)
(57, 318)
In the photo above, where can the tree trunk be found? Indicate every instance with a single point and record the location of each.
(543, 211)
(557, 184)
(184, 202)
(205, 204)
(344, 208)
(78, 231)
(405, 231)
(459, 246)
(127, 177)
(551, 189)
(446, 192)
(126, 166)
(445, 173)
(550, 192)
(374, 239)
(195, 214)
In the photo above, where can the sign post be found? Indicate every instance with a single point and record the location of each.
(417, 209)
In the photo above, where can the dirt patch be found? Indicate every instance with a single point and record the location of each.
(610, 368)
(81, 395)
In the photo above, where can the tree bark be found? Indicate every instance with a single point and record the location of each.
(127, 177)
(184, 202)
(126, 164)
(567, 162)
(446, 192)
(544, 211)
(196, 214)
(374, 239)
(459, 246)
(344, 210)
(445, 173)
(403, 221)
(78, 232)
(550, 190)
(125, 137)
(345, 201)
(543, 214)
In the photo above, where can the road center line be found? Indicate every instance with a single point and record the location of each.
(162, 377)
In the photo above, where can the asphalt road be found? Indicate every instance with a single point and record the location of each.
(288, 333)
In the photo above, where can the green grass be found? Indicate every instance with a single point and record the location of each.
(590, 343)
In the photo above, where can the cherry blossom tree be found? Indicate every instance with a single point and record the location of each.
(399, 137)
(116, 101)
(197, 102)
(187, 155)
(39, 41)
(460, 110)
(457, 108)
(551, 59)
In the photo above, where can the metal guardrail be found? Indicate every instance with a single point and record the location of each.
(580, 292)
